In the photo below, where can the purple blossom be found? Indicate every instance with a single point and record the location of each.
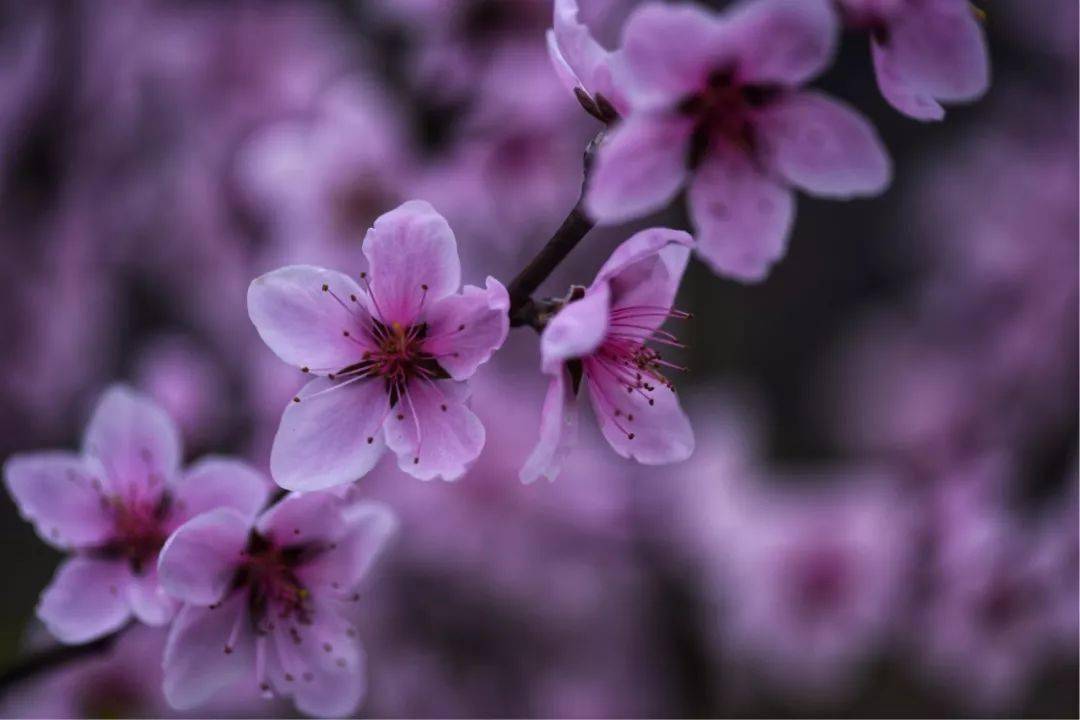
(598, 340)
(390, 360)
(265, 600)
(925, 52)
(716, 105)
(112, 506)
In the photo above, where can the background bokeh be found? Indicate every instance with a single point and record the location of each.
(880, 518)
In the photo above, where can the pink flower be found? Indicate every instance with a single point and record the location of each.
(924, 51)
(390, 360)
(267, 597)
(716, 105)
(598, 340)
(113, 506)
(583, 65)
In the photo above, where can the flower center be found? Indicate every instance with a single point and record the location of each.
(274, 590)
(139, 529)
(723, 109)
(625, 358)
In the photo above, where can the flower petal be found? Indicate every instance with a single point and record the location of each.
(782, 42)
(324, 683)
(576, 330)
(196, 663)
(464, 330)
(215, 482)
(638, 168)
(146, 598)
(135, 442)
(644, 274)
(742, 217)
(332, 436)
(558, 431)
(932, 52)
(85, 599)
(305, 325)
(56, 492)
(307, 518)
(367, 528)
(413, 260)
(660, 430)
(433, 432)
(668, 52)
(824, 147)
(199, 560)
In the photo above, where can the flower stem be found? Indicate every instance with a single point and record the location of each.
(523, 309)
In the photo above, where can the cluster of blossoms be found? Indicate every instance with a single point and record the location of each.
(256, 590)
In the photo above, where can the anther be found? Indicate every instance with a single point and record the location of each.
(327, 647)
(400, 416)
(443, 408)
(296, 398)
(325, 287)
(416, 461)
(370, 440)
(424, 287)
(228, 649)
(345, 333)
(352, 297)
(461, 327)
(305, 369)
(629, 436)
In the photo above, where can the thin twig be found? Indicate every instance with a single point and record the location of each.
(523, 310)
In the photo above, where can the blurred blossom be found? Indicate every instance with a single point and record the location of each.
(810, 578)
(187, 383)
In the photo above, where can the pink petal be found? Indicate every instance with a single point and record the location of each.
(330, 438)
(199, 560)
(824, 147)
(85, 599)
(742, 217)
(782, 42)
(579, 60)
(639, 167)
(147, 600)
(409, 249)
(558, 431)
(932, 52)
(433, 432)
(661, 431)
(305, 325)
(464, 330)
(196, 664)
(645, 272)
(133, 441)
(668, 52)
(368, 526)
(55, 491)
(215, 482)
(306, 518)
(325, 683)
(577, 330)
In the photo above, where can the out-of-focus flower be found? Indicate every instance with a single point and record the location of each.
(113, 506)
(925, 52)
(583, 65)
(391, 360)
(716, 103)
(598, 338)
(986, 626)
(266, 598)
(810, 577)
(187, 383)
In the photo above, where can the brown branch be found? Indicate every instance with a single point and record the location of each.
(54, 658)
(523, 309)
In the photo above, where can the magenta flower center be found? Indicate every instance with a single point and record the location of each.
(139, 530)
(625, 358)
(723, 110)
(274, 590)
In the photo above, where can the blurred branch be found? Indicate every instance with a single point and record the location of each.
(523, 309)
(54, 658)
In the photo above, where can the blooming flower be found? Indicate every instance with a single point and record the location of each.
(582, 64)
(715, 105)
(267, 596)
(113, 506)
(599, 339)
(390, 360)
(924, 51)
